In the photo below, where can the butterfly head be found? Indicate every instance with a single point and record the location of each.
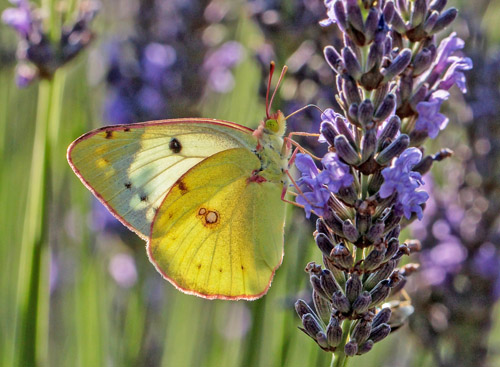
(275, 123)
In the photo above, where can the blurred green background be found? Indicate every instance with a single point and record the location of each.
(99, 300)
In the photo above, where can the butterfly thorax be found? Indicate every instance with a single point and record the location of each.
(270, 148)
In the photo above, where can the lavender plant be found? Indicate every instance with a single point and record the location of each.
(392, 76)
(42, 51)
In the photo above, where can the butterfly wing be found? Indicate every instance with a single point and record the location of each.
(219, 234)
(130, 168)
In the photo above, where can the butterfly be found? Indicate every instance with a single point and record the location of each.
(205, 194)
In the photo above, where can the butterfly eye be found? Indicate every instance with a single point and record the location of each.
(272, 125)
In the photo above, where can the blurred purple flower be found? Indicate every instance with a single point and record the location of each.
(401, 179)
(336, 174)
(443, 260)
(316, 195)
(19, 18)
(219, 63)
(429, 118)
(122, 269)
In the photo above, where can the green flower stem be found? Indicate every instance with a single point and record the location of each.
(339, 359)
(31, 334)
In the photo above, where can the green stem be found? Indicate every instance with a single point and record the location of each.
(31, 334)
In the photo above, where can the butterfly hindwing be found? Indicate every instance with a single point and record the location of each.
(130, 168)
(218, 233)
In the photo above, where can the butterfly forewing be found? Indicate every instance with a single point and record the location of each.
(130, 168)
(218, 233)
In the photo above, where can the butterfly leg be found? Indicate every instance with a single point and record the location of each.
(300, 193)
(289, 141)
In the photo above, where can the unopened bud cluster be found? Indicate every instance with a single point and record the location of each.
(392, 78)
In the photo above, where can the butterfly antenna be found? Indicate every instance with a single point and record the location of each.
(271, 72)
(302, 109)
(282, 75)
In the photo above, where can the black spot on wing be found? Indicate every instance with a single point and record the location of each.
(144, 197)
(128, 185)
(183, 187)
(175, 145)
(126, 130)
(109, 134)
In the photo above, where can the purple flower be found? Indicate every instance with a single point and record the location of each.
(450, 64)
(454, 74)
(219, 63)
(19, 18)
(442, 260)
(429, 118)
(336, 173)
(122, 269)
(315, 194)
(401, 179)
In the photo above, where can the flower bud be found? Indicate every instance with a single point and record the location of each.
(340, 15)
(382, 317)
(354, 17)
(386, 108)
(351, 348)
(353, 287)
(390, 130)
(375, 232)
(379, 95)
(332, 58)
(350, 90)
(363, 222)
(322, 306)
(334, 332)
(438, 5)
(351, 63)
(365, 113)
(340, 302)
(445, 19)
(321, 227)
(328, 283)
(328, 131)
(380, 292)
(345, 150)
(302, 308)
(388, 11)
(375, 55)
(338, 274)
(419, 12)
(343, 129)
(398, 23)
(365, 347)
(391, 220)
(333, 221)
(352, 113)
(398, 65)
(324, 244)
(311, 325)
(430, 22)
(350, 231)
(371, 23)
(362, 303)
(422, 62)
(418, 96)
(402, 250)
(374, 182)
(316, 285)
(361, 331)
(322, 340)
(374, 258)
(380, 332)
(342, 256)
(394, 149)
(394, 233)
(348, 195)
(369, 144)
